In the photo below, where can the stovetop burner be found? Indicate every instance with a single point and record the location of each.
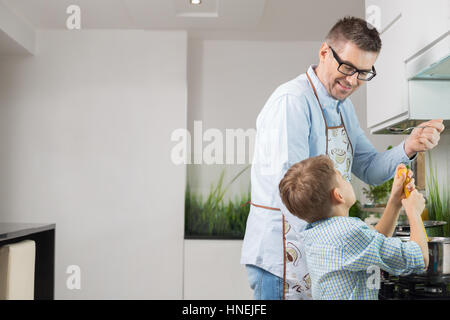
(414, 287)
(427, 279)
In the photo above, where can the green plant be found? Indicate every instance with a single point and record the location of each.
(438, 204)
(355, 210)
(379, 194)
(215, 217)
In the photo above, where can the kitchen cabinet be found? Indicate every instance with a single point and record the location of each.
(414, 34)
(387, 92)
(427, 21)
(44, 237)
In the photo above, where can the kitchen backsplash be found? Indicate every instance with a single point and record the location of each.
(440, 157)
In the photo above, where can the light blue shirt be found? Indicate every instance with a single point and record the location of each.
(309, 140)
(340, 250)
(289, 129)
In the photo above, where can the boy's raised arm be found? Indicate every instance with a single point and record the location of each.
(388, 220)
(414, 206)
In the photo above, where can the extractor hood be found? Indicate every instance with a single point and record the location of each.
(437, 71)
(427, 88)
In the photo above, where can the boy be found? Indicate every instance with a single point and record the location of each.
(339, 249)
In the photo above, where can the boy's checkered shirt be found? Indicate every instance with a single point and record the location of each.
(339, 251)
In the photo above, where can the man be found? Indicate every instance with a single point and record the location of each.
(306, 117)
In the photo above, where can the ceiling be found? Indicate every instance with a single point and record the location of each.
(279, 19)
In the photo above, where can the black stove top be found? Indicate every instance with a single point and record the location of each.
(414, 287)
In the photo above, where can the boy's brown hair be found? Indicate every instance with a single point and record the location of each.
(306, 188)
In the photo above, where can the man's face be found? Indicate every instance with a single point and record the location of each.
(338, 85)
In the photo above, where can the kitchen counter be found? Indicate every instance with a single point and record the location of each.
(15, 230)
(44, 237)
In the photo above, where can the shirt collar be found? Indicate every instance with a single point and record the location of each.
(326, 100)
(330, 219)
(315, 223)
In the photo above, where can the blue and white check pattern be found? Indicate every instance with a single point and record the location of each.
(339, 251)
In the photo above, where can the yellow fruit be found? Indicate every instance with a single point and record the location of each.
(399, 174)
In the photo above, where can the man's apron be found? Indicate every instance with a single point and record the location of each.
(296, 280)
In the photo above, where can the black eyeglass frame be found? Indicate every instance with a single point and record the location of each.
(371, 75)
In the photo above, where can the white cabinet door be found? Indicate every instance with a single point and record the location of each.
(387, 92)
(426, 21)
(408, 28)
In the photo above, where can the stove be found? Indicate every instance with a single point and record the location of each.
(414, 287)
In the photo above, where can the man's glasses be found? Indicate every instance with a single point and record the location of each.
(349, 70)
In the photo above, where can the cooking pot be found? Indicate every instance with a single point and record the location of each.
(433, 228)
(439, 255)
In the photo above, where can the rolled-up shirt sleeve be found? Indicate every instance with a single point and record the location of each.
(371, 166)
(366, 247)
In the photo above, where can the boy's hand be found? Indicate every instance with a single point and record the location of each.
(414, 205)
(397, 193)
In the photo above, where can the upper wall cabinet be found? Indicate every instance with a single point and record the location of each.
(426, 23)
(386, 98)
(415, 36)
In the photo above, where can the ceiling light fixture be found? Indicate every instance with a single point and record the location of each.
(195, 1)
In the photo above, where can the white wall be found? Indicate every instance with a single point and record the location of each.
(212, 271)
(85, 136)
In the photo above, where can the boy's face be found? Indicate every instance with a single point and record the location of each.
(345, 189)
